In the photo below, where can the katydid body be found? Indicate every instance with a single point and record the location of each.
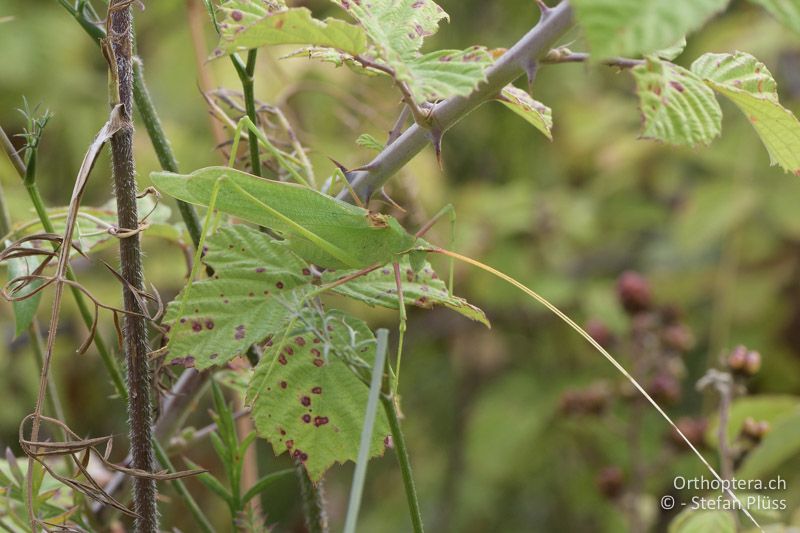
(333, 234)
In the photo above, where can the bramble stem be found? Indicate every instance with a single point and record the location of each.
(83, 308)
(313, 501)
(134, 325)
(444, 115)
(403, 460)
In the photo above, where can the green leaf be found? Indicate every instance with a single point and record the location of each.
(769, 408)
(422, 289)
(676, 106)
(397, 29)
(671, 52)
(692, 521)
(210, 482)
(24, 310)
(520, 102)
(307, 400)
(748, 83)
(368, 141)
(786, 11)
(241, 30)
(640, 27)
(257, 281)
(264, 483)
(780, 444)
(446, 73)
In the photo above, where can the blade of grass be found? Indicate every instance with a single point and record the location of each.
(357, 487)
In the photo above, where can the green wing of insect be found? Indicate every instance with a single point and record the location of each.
(319, 228)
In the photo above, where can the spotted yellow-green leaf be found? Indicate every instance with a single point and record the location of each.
(422, 288)
(257, 285)
(747, 82)
(397, 29)
(520, 102)
(676, 106)
(786, 11)
(307, 401)
(240, 30)
(640, 27)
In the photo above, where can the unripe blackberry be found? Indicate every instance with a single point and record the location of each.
(610, 482)
(693, 428)
(633, 292)
(598, 330)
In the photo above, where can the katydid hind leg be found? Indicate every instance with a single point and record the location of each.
(401, 330)
(280, 157)
(450, 211)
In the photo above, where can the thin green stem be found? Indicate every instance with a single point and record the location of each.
(180, 488)
(246, 73)
(149, 116)
(405, 464)
(166, 157)
(112, 367)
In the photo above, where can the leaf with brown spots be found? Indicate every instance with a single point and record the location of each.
(747, 82)
(258, 283)
(423, 289)
(306, 399)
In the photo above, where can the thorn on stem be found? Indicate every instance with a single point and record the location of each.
(544, 9)
(435, 136)
(531, 67)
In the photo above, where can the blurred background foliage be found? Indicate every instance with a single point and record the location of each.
(715, 230)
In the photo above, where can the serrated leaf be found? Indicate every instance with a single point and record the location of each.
(748, 83)
(786, 11)
(368, 141)
(447, 73)
(520, 102)
(397, 29)
(697, 521)
(241, 30)
(640, 27)
(307, 401)
(257, 284)
(24, 310)
(676, 106)
(422, 288)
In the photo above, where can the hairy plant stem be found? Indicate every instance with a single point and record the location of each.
(313, 501)
(112, 367)
(517, 60)
(134, 325)
(180, 487)
(403, 460)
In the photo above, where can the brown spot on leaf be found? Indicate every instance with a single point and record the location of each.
(320, 421)
(317, 390)
(306, 401)
(283, 384)
(306, 418)
(282, 359)
(240, 333)
(237, 16)
(209, 324)
(279, 284)
(319, 362)
(300, 341)
(197, 326)
(678, 86)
